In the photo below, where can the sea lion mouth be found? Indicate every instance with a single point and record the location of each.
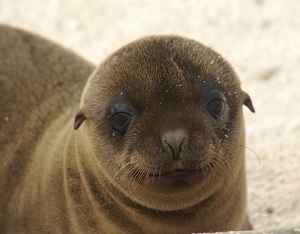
(176, 174)
(177, 171)
(173, 181)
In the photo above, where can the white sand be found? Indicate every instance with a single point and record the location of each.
(261, 39)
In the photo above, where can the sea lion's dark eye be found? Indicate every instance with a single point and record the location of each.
(120, 121)
(216, 107)
(215, 103)
(120, 116)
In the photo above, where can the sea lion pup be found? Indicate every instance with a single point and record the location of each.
(158, 146)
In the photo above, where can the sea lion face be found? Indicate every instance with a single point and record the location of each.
(165, 121)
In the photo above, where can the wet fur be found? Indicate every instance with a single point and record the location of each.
(92, 180)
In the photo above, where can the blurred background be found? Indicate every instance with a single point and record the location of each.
(260, 38)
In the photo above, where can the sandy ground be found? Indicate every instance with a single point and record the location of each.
(261, 39)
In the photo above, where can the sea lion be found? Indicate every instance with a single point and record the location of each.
(158, 146)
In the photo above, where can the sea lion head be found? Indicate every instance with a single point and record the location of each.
(164, 118)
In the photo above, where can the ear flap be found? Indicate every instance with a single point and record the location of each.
(248, 102)
(79, 118)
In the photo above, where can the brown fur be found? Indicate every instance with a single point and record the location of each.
(96, 180)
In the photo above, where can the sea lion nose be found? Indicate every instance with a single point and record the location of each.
(175, 142)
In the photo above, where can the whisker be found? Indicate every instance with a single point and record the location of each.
(122, 168)
(248, 148)
(127, 173)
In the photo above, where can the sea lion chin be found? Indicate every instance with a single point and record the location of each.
(158, 146)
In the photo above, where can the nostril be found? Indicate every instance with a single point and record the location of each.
(184, 142)
(168, 147)
(175, 142)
